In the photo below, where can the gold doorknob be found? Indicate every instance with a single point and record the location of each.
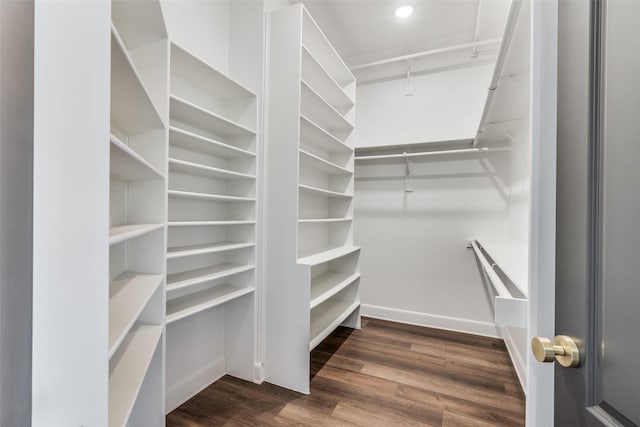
(563, 349)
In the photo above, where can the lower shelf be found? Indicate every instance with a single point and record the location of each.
(188, 305)
(328, 284)
(127, 370)
(327, 317)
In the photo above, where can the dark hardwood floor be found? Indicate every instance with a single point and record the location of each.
(386, 374)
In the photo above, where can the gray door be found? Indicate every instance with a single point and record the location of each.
(598, 211)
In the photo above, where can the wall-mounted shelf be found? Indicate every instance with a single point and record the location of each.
(208, 223)
(191, 141)
(314, 106)
(311, 133)
(208, 248)
(182, 307)
(182, 166)
(188, 278)
(127, 165)
(184, 111)
(210, 197)
(322, 165)
(322, 220)
(322, 192)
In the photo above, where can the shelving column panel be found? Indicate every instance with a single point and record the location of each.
(312, 264)
(137, 210)
(211, 230)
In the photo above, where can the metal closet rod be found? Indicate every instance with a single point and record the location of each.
(425, 53)
(433, 153)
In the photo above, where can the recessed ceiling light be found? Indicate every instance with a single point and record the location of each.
(404, 11)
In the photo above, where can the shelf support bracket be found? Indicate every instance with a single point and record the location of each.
(408, 87)
(408, 175)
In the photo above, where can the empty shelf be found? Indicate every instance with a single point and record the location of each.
(128, 295)
(326, 254)
(184, 251)
(323, 220)
(126, 232)
(127, 165)
(328, 284)
(209, 223)
(322, 165)
(314, 106)
(207, 196)
(201, 275)
(183, 166)
(194, 142)
(313, 134)
(326, 317)
(188, 305)
(127, 370)
(314, 73)
(323, 192)
(193, 115)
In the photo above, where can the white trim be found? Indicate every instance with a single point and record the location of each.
(189, 386)
(517, 358)
(486, 329)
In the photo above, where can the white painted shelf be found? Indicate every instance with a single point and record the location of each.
(312, 105)
(185, 279)
(512, 258)
(210, 248)
(326, 317)
(326, 254)
(191, 141)
(176, 165)
(313, 134)
(209, 223)
(127, 370)
(194, 303)
(125, 232)
(320, 79)
(127, 165)
(211, 197)
(322, 192)
(131, 108)
(322, 165)
(323, 220)
(193, 115)
(329, 284)
(128, 295)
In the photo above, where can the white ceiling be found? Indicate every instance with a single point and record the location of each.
(368, 30)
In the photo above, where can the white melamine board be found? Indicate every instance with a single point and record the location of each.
(194, 303)
(183, 166)
(132, 111)
(321, 112)
(127, 370)
(321, 81)
(512, 258)
(328, 284)
(326, 254)
(128, 295)
(209, 248)
(125, 232)
(308, 159)
(211, 197)
(322, 192)
(191, 141)
(313, 134)
(322, 220)
(185, 279)
(208, 223)
(127, 165)
(326, 317)
(139, 22)
(194, 115)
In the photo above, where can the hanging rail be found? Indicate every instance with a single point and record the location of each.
(476, 150)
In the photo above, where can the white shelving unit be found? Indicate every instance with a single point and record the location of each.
(211, 256)
(137, 208)
(312, 264)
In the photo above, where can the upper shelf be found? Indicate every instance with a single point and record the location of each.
(318, 109)
(322, 165)
(326, 254)
(182, 166)
(194, 142)
(140, 23)
(512, 258)
(319, 78)
(315, 135)
(193, 115)
(127, 165)
(125, 232)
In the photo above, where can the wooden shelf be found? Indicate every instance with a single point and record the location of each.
(191, 304)
(125, 232)
(193, 115)
(314, 106)
(176, 165)
(127, 370)
(322, 165)
(209, 223)
(201, 275)
(329, 284)
(188, 140)
(326, 317)
(127, 165)
(323, 220)
(319, 78)
(129, 293)
(192, 250)
(326, 254)
(315, 135)
(207, 196)
(132, 110)
(512, 258)
(322, 192)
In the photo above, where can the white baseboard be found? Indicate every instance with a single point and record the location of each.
(188, 387)
(454, 324)
(517, 358)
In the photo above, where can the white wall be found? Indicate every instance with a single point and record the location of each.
(16, 168)
(446, 105)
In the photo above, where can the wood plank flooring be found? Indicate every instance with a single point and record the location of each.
(386, 374)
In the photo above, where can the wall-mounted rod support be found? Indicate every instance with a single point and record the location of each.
(408, 175)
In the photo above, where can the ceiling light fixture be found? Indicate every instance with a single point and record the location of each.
(404, 11)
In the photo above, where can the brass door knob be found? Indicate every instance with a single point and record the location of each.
(563, 349)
